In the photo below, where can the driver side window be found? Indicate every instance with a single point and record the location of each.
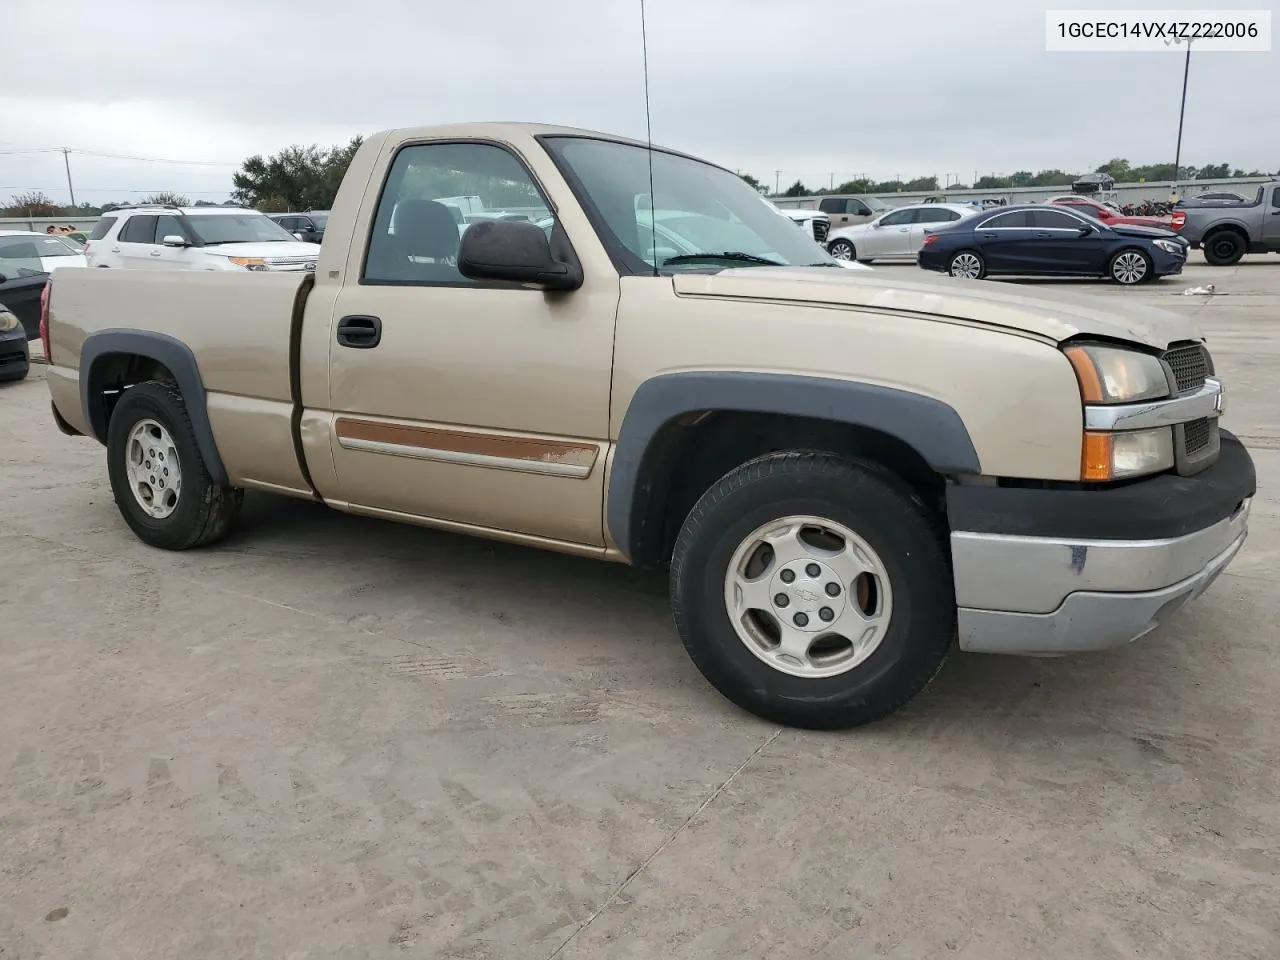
(432, 194)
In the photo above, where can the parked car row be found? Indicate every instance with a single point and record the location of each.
(1067, 236)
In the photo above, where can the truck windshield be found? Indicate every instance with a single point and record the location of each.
(237, 228)
(697, 209)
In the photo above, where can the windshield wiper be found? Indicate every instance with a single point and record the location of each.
(726, 255)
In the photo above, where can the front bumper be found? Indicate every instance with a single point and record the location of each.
(1165, 264)
(1051, 572)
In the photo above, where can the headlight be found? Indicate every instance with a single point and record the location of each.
(1170, 246)
(1115, 375)
(8, 321)
(249, 263)
(1115, 456)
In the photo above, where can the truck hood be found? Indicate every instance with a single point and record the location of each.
(271, 250)
(1056, 315)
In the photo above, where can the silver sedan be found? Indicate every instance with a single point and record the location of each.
(897, 234)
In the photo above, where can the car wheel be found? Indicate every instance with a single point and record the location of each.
(1224, 248)
(813, 590)
(1129, 267)
(967, 264)
(160, 482)
(841, 250)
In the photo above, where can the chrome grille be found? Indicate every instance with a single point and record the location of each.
(1196, 435)
(1190, 365)
(290, 262)
(820, 230)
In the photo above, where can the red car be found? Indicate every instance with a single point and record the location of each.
(1109, 215)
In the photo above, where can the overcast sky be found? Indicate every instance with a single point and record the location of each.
(808, 87)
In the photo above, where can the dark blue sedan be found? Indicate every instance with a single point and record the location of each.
(1040, 240)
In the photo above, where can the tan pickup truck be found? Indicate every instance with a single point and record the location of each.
(843, 470)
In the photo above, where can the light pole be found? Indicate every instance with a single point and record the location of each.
(1182, 111)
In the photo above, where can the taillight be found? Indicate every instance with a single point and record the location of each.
(44, 319)
(930, 238)
(1179, 218)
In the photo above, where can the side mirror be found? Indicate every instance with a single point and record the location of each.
(517, 252)
(1085, 231)
(3, 278)
(173, 240)
(876, 224)
(297, 236)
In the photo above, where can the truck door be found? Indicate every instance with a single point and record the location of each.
(481, 404)
(1271, 221)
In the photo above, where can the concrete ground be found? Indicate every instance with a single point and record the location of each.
(334, 737)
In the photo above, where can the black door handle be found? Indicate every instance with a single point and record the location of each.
(360, 333)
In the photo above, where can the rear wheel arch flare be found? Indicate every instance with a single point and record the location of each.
(104, 350)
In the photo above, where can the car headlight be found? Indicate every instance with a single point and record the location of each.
(1109, 375)
(1116, 375)
(1170, 246)
(8, 320)
(249, 263)
(1117, 456)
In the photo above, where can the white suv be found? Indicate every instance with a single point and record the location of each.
(195, 238)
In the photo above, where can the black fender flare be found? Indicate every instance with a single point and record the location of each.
(180, 361)
(930, 427)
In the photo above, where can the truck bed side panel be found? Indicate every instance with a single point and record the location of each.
(238, 327)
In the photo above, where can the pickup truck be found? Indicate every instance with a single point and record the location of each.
(842, 471)
(1227, 232)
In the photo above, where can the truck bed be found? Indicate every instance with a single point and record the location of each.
(238, 326)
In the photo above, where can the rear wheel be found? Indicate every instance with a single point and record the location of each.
(813, 590)
(841, 250)
(1224, 248)
(158, 477)
(1129, 267)
(967, 264)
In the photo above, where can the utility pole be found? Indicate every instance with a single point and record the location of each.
(1182, 111)
(831, 185)
(776, 175)
(66, 162)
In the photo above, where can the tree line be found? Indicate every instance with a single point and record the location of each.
(1119, 168)
(307, 178)
(296, 178)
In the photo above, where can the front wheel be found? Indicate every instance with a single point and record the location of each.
(841, 250)
(1129, 267)
(967, 264)
(813, 590)
(158, 477)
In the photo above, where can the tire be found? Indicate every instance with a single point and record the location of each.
(1131, 266)
(1223, 248)
(200, 512)
(841, 249)
(964, 261)
(865, 261)
(914, 592)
